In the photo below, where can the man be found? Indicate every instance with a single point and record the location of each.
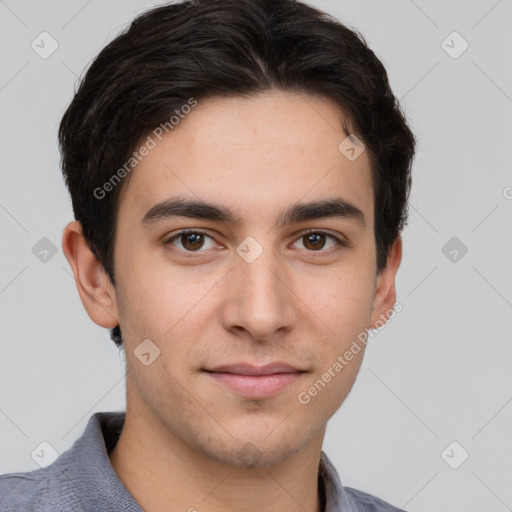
(239, 173)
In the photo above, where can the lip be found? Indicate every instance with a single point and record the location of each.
(251, 369)
(251, 381)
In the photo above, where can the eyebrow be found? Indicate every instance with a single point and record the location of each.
(298, 212)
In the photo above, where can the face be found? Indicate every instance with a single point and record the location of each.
(253, 306)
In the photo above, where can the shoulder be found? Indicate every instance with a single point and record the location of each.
(367, 503)
(339, 497)
(40, 490)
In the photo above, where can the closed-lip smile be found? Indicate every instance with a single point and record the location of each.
(255, 381)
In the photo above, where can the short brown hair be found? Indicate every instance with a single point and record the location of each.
(202, 49)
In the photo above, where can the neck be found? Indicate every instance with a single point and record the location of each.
(163, 473)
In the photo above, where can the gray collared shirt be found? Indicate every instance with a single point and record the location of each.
(82, 479)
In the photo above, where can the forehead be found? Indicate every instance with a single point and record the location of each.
(253, 155)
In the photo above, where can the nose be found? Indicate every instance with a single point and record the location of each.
(259, 298)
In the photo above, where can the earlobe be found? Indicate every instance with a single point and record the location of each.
(94, 287)
(385, 293)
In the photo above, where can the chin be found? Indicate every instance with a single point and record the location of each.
(249, 455)
(252, 449)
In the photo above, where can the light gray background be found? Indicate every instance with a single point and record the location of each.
(438, 372)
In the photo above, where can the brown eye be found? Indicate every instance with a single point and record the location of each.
(190, 241)
(314, 241)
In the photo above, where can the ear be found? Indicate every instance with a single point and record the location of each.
(94, 286)
(385, 292)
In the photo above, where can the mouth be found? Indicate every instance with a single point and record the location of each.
(254, 382)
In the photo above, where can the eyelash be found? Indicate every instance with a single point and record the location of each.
(340, 243)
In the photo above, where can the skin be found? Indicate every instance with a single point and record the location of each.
(182, 440)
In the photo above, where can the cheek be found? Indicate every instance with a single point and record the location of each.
(340, 355)
(153, 296)
(344, 301)
(345, 306)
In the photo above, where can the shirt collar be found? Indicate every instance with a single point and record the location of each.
(94, 477)
(90, 469)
